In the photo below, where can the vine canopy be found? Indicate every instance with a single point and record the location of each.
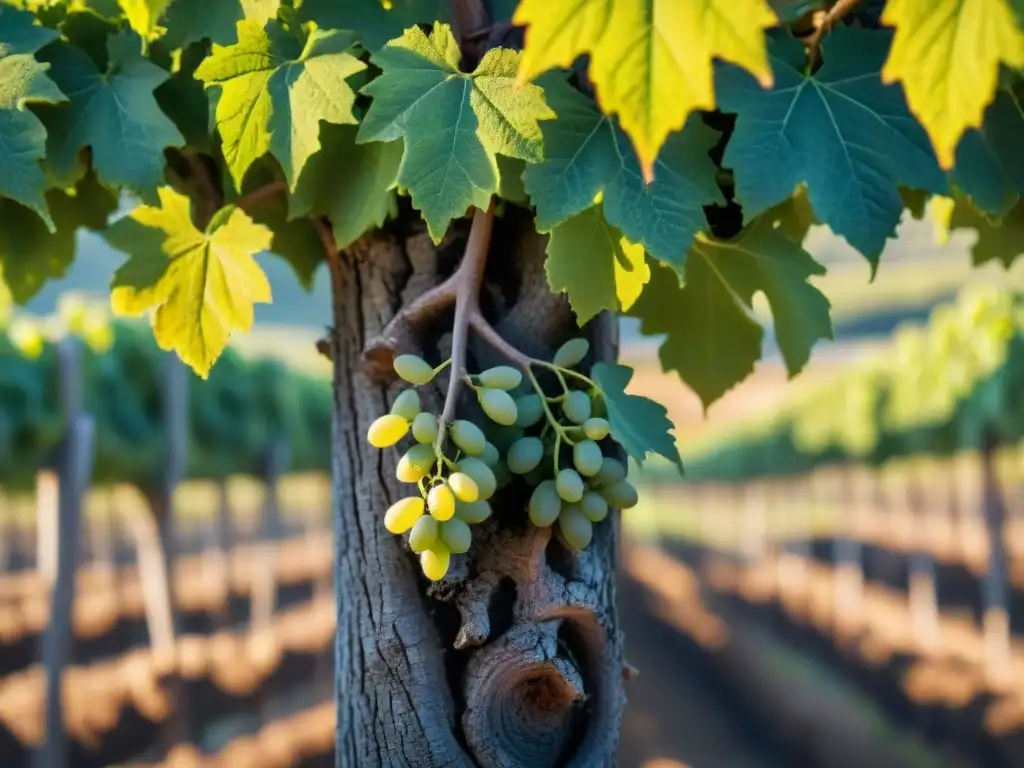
(675, 153)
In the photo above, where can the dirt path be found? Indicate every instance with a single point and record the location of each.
(676, 716)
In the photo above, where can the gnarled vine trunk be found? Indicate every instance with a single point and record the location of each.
(515, 659)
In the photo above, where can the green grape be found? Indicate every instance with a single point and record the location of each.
(456, 535)
(502, 475)
(415, 464)
(441, 502)
(587, 458)
(423, 534)
(536, 476)
(594, 506)
(406, 405)
(545, 504)
(574, 526)
(387, 430)
(503, 437)
(414, 369)
(569, 485)
(596, 429)
(472, 512)
(424, 428)
(468, 437)
(571, 353)
(481, 474)
(576, 406)
(621, 495)
(524, 455)
(530, 410)
(463, 486)
(611, 472)
(490, 456)
(435, 561)
(403, 514)
(501, 377)
(498, 405)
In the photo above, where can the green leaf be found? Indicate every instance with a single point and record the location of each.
(189, 21)
(357, 200)
(275, 93)
(595, 265)
(989, 162)
(183, 99)
(453, 124)
(637, 423)
(650, 62)
(297, 241)
(712, 339)
(947, 55)
(113, 112)
(202, 284)
(794, 216)
(23, 81)
(1001, 241)
(840, 131)
(143, 16)
(586, 155)
(30, 254)
(375, 21)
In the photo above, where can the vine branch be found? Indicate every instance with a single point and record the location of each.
(834, 15)
(260, 194)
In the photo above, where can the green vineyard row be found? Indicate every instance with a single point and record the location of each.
(938, 389)
(234, 418)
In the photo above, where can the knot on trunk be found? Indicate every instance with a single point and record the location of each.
(523, 698)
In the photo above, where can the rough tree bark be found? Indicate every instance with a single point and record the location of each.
(515, 659)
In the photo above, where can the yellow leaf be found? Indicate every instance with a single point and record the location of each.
(650, 60)
(947, 54)
(202, 284)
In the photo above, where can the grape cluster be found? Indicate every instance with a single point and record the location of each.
(560, 444)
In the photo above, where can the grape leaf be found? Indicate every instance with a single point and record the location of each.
(375, 21)
(113, 112)
(453, 123)
(638, 424)
(202, 284)
(189, 21)
(595, 265)
(297, 241)
(23, 80)
(840, 131)
(947, 54)
(713, 342)
(650, 60)
(143, 15)
(30, 254)
(1002, 241)
(273, 94)
(585, 154)
(989, 164)
(356, 201)
(794, 216)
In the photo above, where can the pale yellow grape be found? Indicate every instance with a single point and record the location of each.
(490, 456)
(406, 405)
(441, 502)
(501, 377)
(498, 405)
(423, 534)
(571, 353)
(463, 486)
(414, 369)
(456, 535)
(524, 454)
(472, 512)
(387, 430)
(415, 464)
(468, 436)
(544, 505)
(586, 457)
(481, 474)
(435, 561)
(575, 528)
(569, 485)
(596, 428)
(403, 514)
(576, 406)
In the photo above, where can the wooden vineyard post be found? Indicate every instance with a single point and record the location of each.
(46, 524)
(755, 523)
(264, 585)
(996, 618)
(911, 509)
(859, 498)
(74, 469)
(217, 558)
